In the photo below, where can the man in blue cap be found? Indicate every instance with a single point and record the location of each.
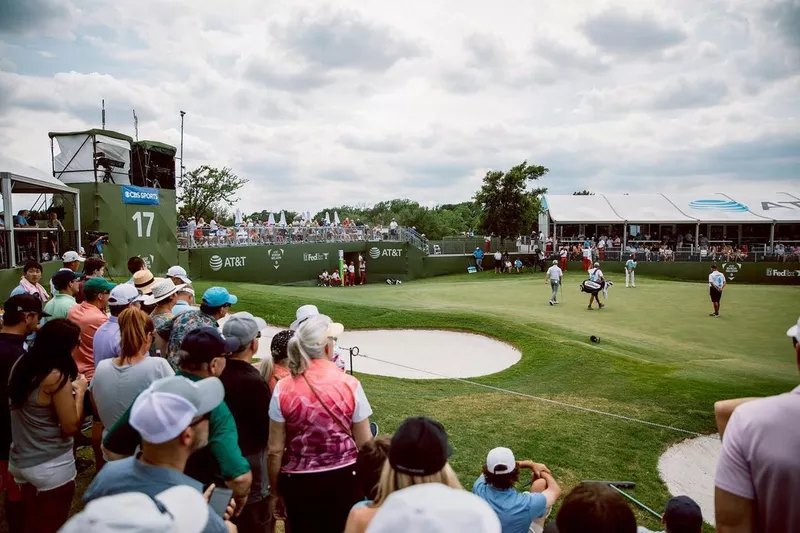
(214, 306)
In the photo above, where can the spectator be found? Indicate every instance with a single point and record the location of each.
(393, 227)
(478, 255)
(595, 507)
(202, 355)
(757, 467)
(144, 281)
(351, 274)
(417, 454)
(53, 236)
(369, 465)
(303, 313)
(498, 262)
(135, 264)
(106, 343)
(172, 416)
(681, 515)
(184, 301)
(214, 306)
(335, 279)
(178, 275)
(177, 509)
(46, 397)
(163, 297)
(435, 508)
(518, 512)
(94, 267)
(66, 285)
(275, 368)
(363, 270)
(71, 260)
(191, 228)
(21, 317)
(319, 418)
(247, 395)
(90, 315)
(119, 380)
(29, 284)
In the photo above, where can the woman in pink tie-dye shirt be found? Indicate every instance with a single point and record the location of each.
(319, 417)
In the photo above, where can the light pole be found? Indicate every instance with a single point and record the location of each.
(183, 113)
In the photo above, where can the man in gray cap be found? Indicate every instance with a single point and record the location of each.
(245, 388)
(172, 417)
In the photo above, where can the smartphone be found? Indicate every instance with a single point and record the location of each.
(220, 499)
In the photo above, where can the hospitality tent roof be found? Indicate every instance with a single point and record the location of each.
(714, 208)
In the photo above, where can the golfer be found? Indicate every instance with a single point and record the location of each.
(716, 284)
(630, 271)
(554, 275)
(596, 275)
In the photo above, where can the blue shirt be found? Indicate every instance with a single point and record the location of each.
(17, 291)
(107, 344)
(132, 475)
(630, 264)
(478, 254)
(181, 307)
(516, 510)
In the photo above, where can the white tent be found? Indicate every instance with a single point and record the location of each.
(92, 155)
(271, 220)
(717, 208)
(282, 222)
(570, 209)
(647, 208)
(327, 218)
(237, 217)
(335, 218)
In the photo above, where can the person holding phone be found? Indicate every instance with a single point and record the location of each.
(172, 416)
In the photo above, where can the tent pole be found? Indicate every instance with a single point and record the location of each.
(697, 238)
(771, 238)
(8, 219)
(624, 240)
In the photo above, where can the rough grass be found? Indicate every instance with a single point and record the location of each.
(661, 358)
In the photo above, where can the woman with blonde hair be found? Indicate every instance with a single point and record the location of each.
(118, 381)
(418, 454)
(319, 417)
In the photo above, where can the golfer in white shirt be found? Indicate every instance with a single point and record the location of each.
(716, 284)
(554, 275)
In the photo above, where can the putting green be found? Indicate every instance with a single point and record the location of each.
(661, 359)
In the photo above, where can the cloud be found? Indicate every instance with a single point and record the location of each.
(784, 15)
(620, 32)
(30, 16)
(343, 39)
(561, 56)
(677, 93)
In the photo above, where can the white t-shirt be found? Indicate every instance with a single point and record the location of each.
(212, 224)
(716, 279)
(563, 253)
(601, 244)
(351, 269)
(554, 273)
(587, 253)
(392, 225)
(595, 274)
(498, 256)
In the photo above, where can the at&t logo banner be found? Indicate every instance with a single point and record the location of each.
(217, 263)
(376, 252)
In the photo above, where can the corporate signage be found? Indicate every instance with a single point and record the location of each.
(139, 195)
(376, 252)
(731, 269)
(316, 257)
(786, 273)
(217, 263)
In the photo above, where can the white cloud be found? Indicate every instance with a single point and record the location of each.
(361, 101)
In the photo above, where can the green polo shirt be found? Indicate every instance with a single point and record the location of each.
(58, 306)
(220, 461)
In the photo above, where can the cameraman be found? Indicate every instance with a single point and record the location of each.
(96, 243)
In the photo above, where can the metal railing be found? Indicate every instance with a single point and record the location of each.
(39, 244)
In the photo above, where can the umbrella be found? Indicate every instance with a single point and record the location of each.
(308, 216)
(271, 220)
(327, 218)
(238, 216)
(282, 223)
(335, 218)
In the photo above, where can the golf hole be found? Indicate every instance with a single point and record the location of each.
(688, 468)
(430, 354)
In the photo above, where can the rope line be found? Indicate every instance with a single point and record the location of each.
(538, 398)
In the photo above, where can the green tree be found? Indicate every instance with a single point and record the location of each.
(207, 191)
(509, 208)
(583, 193)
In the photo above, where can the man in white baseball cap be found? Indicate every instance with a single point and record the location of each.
(519, 512)
(172, 418)
(106, 343)
(179, 509)
(434, 508)
(178, 275)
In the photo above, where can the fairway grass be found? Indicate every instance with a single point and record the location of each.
(661, 359)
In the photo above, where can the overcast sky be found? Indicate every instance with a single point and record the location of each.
(360, 101)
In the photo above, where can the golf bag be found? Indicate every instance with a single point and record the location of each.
(390, 281)
(592, 287)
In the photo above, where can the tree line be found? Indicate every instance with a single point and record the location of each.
(507, 204)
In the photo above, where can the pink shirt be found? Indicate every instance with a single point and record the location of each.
(314, 441)
(760, 460)
(89, 318)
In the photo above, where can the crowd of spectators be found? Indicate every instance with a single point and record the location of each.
(194, 437)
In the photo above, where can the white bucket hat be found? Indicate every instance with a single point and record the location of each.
(161, 290)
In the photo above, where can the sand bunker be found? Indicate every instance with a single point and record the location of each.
(448, 353)
(688, 468)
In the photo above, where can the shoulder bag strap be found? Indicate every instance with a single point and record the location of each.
(316, 395)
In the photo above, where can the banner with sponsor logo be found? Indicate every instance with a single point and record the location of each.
(139, 195)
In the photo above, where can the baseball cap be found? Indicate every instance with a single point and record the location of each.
(178, 272)
(63, 278)
(303, 313)
(23, 303)
(434, 508)
(97, 285)
(204, 344)
(243, 327)
(794, 331)
(597, 264)
(682, 512)
(500, 461)
(168, 406)
(419, 447)
(219, 296)
(124, 294)
(71, 256)
(179, 509)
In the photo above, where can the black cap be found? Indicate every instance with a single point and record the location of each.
(683, 512)
(63, 278)
(714, 267)
(23, 303)
(206, 343)
(419, 447)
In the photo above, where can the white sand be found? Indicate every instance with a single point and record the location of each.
(449, 353)
(688, 468)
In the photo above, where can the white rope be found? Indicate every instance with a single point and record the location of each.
(539, 398)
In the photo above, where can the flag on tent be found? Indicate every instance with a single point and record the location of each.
(282, 222)
(327, 218)
(271, 220)
(335, 218)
